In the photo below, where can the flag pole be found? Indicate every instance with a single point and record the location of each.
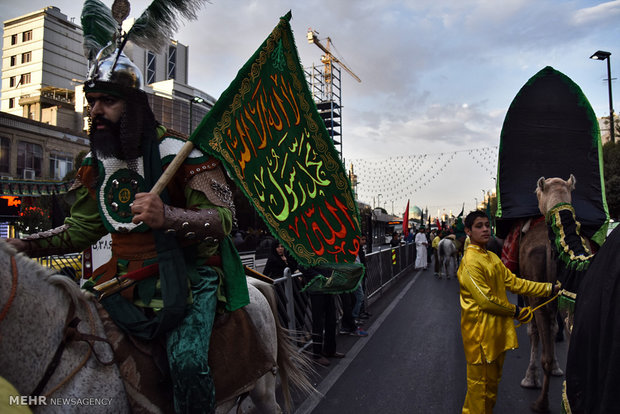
(173, 167)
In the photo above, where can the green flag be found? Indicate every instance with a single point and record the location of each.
(266, 130)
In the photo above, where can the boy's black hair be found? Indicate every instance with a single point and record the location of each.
(472, 216)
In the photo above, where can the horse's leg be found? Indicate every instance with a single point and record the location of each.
(263, 395)
(531, 379)
(452, 267)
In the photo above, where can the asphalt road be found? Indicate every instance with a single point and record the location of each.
(413, 360)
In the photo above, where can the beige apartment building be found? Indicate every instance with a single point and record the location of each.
(43, 68)
(31, 150)
(42, 62)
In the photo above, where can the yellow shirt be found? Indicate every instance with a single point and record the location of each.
(487, 323)
(436, 241)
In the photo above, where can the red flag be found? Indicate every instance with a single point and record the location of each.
(406, 221)
(438, 224)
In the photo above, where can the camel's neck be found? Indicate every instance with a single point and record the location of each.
(572, 249)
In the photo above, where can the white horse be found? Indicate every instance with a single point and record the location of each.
(34, 304)
(447, 256)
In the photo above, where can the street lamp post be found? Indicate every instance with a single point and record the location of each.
(195, 99)
(602, 55)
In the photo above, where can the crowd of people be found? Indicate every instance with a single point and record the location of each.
(325, 315)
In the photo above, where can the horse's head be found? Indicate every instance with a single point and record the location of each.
(551, 191)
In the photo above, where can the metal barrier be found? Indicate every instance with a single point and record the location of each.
(294, 308)
(68, 264)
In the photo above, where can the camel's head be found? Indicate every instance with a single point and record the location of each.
(551, 191)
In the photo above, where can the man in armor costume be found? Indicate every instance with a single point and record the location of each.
(180, 239)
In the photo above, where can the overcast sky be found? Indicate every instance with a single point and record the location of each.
(437, 76)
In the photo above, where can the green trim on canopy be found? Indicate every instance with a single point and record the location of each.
(551, 130)
(33, 188)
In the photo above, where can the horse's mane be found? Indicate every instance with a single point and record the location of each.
(27, 266)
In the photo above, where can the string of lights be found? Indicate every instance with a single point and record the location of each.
(394, 176)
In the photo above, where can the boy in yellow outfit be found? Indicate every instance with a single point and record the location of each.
(486, 315)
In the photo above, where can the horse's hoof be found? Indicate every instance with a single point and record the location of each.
(539, 408)
(557, 372)
(530, 384)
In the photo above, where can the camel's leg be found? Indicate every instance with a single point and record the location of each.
(547, 339)
(556, 370)
(531, 378)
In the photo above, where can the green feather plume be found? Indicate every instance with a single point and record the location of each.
(98, 26)
(158, 23)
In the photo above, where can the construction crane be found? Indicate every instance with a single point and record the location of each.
(326, 90)
(328, 58)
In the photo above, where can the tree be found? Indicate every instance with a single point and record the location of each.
(611, 170)
(34, 215)
(76, 165)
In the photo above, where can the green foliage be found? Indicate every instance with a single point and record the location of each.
(611, 167)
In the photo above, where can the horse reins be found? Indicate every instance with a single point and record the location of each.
(70, 333)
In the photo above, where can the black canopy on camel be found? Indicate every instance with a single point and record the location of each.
(551, 130)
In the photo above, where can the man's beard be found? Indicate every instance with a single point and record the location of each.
(107, 142)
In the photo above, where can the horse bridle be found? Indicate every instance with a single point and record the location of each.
(70, 333)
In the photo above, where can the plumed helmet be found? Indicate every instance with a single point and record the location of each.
(115, 73)
(102, 27)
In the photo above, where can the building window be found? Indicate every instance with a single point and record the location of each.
(172, 62)
(29, 159)
(12, 81)
(27, 36)
(11, 103)
(25, 79)
(5, 146)
(26, 57)
(13, 39)
(150, 67)
(60, 165)
(13, 60)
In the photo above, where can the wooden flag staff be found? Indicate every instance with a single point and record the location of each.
(165, 178)
(172, 168)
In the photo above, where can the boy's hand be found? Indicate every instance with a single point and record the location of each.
(556, 288)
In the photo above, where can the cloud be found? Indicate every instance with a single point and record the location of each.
(604, 13)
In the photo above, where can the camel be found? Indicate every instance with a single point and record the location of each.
(591, 281)
(536, 263)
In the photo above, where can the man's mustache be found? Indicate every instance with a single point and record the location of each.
(100, 120)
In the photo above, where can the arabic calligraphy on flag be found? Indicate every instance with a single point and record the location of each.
(266, 130)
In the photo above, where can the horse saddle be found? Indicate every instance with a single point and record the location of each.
(237, 358)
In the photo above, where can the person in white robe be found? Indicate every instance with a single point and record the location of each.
(421, 244)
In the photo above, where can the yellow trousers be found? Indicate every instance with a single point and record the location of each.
(482, 383)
